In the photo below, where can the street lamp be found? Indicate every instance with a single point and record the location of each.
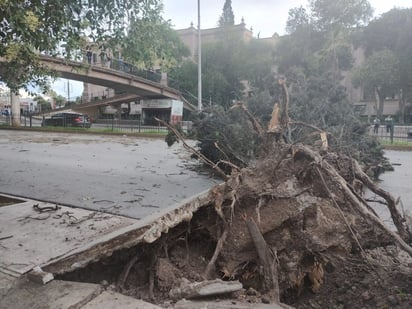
(199, 60)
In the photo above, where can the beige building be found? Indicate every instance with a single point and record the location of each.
(189, 36)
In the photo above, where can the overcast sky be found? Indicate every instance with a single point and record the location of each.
(265, 16)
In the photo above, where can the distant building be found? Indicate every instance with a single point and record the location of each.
(189, 36)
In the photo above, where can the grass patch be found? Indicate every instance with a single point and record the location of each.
(396, 145)
(107, 130)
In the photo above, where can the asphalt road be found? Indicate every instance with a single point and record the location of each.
(121, 175)
(397, 182)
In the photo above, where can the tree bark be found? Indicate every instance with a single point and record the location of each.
(15, 109)
(268, 261)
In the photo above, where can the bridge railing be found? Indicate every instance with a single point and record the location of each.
(131, 69)
(125, 67)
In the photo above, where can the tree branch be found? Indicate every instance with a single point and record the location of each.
(194, 151)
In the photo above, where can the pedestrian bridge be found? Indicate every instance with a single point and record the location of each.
(120, 81)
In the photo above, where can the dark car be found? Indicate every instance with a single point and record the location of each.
(68, 120)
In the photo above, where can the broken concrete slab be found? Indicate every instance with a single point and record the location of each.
(146, 230)
(205, 288)
(223, 304)
(40, 232)
(56, 294)
(39, 276)
(109, 299)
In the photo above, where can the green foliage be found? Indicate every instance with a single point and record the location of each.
(298, 18)
(227, 18)
(42, 104)
(312, 58)
(392, 32)
(329, 14)
(225, 64)
(380, 71)
(31, 27)
(320, 38)
(151, 41)
(231, 131)
(186, 77)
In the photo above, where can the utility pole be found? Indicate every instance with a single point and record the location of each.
(68, 93)
(199, 60)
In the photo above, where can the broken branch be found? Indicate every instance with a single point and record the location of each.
(194, 151)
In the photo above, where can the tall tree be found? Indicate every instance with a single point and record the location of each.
(330, 14)
(227, 18)
(320, 36)
(379, 75)
(28, 28)
(392, 32)
(298, 18)
(151, 41)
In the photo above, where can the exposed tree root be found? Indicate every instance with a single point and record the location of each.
(211, 265)
(268, 261)
(397, 218)
(329, 170)
(121, 281)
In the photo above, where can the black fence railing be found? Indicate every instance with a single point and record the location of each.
(400, 134)
(128, 68)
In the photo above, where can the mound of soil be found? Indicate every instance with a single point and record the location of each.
(322, 246)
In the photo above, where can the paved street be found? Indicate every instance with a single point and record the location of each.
(120, 175)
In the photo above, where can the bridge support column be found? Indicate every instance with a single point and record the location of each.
(15, 109)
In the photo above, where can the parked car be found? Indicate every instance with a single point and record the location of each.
(68, 120)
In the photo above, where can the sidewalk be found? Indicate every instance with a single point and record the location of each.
(60, 239)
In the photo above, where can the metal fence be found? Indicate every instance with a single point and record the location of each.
(401, 134)
(127, 126)
(135, 126)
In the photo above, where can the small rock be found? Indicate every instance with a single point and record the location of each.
(314, 304)
(251, 292)
(393, 300)
(39, 276)
(365, 282)
(366, 296)
(265, 300)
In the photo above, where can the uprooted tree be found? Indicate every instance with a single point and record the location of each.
(294, 211)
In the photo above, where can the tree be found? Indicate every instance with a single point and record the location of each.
(330, 14)
(151, 41)
(320, 36)
(379, 75)
(392, 32)
(226, 65)
(28, 28)
(227, 18)
(42, 104)
(298, 18)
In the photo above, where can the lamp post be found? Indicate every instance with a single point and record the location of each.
(199, 60)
